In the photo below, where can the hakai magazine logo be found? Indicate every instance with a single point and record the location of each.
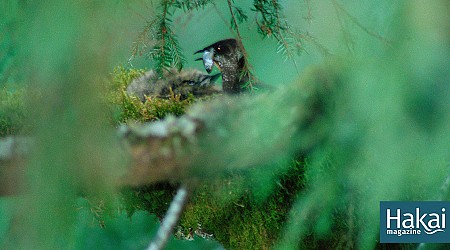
(414, 222)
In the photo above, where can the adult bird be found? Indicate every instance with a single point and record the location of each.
(229, 59)
(173, 82)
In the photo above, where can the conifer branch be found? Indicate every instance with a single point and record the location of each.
(160, 53)
(271, 24)
(309, 16)
(222, 17)
(281, 36)
(340, 8)
(349, 43)
(233, 20)
(142, 40)
(311, 39)
(247, 66)
(188, 5)
(160, 41)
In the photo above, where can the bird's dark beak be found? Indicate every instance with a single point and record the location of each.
(208, 59)
(199, 51)
(215, 77)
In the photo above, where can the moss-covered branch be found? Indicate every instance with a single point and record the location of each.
(229, 133)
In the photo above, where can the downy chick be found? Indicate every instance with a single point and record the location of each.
(179, 83)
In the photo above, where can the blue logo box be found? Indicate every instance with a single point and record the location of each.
(414, 222)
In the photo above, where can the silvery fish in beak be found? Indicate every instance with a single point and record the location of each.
(208, 62)
(227, 56)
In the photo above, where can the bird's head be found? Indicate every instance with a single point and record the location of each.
(224, 54)
(192, 77)
(191, 81)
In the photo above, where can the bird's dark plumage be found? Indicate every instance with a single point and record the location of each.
(228, 57)
(180, 83)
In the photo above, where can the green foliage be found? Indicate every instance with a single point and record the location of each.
(188, 5)
(12, 112)
(8, 38)
(118, 231)
(122, 231)
(240, 17)
(273, 24)
(387, 129)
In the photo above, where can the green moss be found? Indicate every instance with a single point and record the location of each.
(154, 199)
(243, 210)
(232, 211)
(230, 208)
(129, 108)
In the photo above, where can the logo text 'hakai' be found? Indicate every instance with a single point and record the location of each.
(414, 222)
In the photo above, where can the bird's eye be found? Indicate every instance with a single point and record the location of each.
(191, 83)
(219, 48)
